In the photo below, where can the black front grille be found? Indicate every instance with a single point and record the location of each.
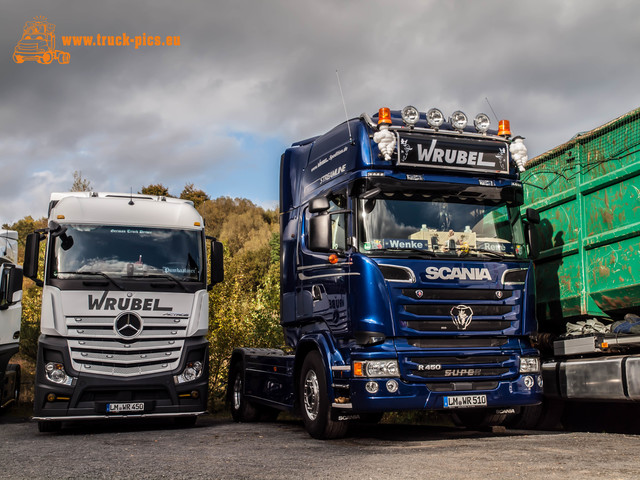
(455, 294)
(461, 372)
(447, 325)
(458, 342)
(432, 310)
(462, 386)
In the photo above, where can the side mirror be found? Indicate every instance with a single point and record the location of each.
(10, 285)
(319, 205)
(31, 257)
(532, 216)
(217, 263)
(320, 233)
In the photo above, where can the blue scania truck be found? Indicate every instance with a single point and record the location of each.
(406, 280)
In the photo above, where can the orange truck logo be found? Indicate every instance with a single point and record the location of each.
(38, 43)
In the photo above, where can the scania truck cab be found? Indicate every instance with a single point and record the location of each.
(10, 311)
(406, 281)
(124, 308)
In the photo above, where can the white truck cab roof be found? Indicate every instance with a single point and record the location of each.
(105, 208)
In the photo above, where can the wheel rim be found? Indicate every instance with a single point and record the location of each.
(311, 395)
(237, 392)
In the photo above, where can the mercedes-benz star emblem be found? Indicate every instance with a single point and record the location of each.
(128, 325)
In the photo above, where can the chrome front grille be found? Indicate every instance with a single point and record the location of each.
(96, 348)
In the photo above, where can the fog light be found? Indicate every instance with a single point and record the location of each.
(392, 386)
(51, 397)
(540, 382)
(458, 120)
(410, 115)
(371, 387)
(482, 122)
(435, 118)
(191, 372)
(195, 394)
(55, 373)
(528, 381)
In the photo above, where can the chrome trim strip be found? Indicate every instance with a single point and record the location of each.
(512, 270)
(302, 276)
(97, 417)
(407, 269)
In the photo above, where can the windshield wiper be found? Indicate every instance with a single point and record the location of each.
(165, 276)
(99, 274)
(490, 253)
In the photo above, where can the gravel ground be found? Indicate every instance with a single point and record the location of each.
(219, 448)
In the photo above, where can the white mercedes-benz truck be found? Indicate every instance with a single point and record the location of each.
(124, 308)
(10, 311)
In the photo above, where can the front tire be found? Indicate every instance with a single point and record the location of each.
(242, 410)
(314, 401)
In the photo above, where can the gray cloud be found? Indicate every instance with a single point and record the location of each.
(264, 72)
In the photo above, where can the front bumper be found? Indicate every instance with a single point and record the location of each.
(90, 394)
(421, 396)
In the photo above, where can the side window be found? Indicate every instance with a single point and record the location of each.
(338, 221)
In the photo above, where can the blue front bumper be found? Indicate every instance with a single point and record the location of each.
(418, 396)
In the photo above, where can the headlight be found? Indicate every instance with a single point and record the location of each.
(191, 372)
(458, 120)
(410, 115)
(55, 373)
(376, 368)
(435, 118)
(482, 122)
(529, 365)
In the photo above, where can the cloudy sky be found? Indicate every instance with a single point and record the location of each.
(252, 76)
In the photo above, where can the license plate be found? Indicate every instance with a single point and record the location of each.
(465, 401)
(125, 407)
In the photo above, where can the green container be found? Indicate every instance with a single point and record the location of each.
(587, 192)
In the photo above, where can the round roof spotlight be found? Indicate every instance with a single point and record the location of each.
(482, 122)
(410, 115)
(435, 118)
(458, 120)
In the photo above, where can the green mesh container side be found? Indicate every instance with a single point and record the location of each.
(587, 192)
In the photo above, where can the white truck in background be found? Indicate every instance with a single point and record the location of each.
(125, 308)
(10, 313)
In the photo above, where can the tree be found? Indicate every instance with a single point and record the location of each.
(198, 197)
(156, 189)
(80, 184)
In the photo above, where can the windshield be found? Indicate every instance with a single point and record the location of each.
(439, 227)
(129, 252)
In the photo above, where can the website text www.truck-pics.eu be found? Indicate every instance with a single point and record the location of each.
(123, 40)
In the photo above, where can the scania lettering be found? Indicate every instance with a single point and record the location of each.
(10, 311)
(124, 308)
(406, 282)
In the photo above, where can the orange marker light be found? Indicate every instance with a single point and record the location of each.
(357, 369)
(504, 128)
(333, 258)
(384, 116)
